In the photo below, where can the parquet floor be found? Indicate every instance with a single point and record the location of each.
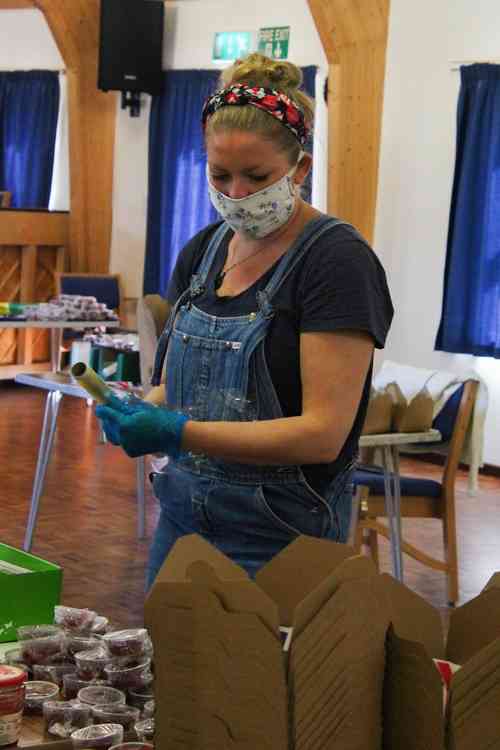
(87, 520)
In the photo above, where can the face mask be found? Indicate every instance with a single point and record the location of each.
(261, 213)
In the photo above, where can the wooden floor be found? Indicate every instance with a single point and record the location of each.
(87, 520)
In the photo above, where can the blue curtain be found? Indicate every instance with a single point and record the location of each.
(309, 86)
(29, 105)
(470, 320)
(178, 202)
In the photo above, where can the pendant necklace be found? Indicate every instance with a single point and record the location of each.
(219, 279)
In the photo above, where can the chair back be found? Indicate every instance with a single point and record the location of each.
(152, 313)
(463, 417)
(5, 198)
(445, 420)
(105, 287)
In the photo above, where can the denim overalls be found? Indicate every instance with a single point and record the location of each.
(216, 370)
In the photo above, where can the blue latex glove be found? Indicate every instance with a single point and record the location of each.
(130, 404)
(143, 428)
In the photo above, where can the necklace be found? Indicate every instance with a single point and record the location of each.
(219, 279)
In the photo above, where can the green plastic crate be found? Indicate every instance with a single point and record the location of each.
(26, 598)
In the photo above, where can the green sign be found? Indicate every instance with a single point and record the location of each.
(273, 42)
(230, 45)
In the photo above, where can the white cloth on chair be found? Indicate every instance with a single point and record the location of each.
(442, 384)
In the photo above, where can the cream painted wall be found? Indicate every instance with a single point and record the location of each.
(26, 42)
(189, 31)
(416, 172)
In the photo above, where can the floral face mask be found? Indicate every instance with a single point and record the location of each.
(261, 213)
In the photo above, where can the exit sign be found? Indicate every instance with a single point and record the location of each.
(273, 42)
(230, 45)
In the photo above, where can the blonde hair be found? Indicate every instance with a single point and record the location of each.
(259, 70)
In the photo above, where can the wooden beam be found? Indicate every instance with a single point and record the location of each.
(99, 144)
(325, 31)
(355, 117)
(92, 115)
(64, 36)
(354, 35)
(16, 4)
(352, 21)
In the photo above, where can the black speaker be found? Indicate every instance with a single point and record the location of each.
(130, 46)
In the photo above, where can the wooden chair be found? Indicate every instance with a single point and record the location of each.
(422, 498)
(105, 287)
(5, 198)
(152, 314)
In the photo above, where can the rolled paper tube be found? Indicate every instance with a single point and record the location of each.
(90, 380)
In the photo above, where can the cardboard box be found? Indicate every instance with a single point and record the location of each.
(221, 679)
(413, 696)
(357, 673)
(29, 589)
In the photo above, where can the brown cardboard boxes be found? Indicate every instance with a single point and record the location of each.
(412, 695)
(357, 672)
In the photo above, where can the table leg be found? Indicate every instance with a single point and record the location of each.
(55, 348)
(353, 525)
(44, 450)
(140, 468)
(394, 527)
(397, 506)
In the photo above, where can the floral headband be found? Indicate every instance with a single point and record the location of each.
(274, 102)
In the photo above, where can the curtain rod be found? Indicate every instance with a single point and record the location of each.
(458, 63)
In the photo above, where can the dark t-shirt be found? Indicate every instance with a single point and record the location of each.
(339, 285)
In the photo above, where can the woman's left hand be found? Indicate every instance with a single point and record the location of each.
(145, 429)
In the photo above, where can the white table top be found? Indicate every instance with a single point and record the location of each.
(77, 325)
(53, 381)
(399, 438)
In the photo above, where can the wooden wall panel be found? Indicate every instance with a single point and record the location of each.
(354, 36)
(19, 227)
(28, 274)
(49, 262)
(10, 286)
(28, 271)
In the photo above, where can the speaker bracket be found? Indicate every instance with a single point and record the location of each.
(132, 101)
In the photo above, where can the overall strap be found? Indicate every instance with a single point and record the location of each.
(199, 279)
(162, 345)
(196, 287)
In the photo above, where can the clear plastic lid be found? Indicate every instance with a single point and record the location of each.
(134, 641)
(28, 632)
(97, 735)
(39, 691)
(96, 695)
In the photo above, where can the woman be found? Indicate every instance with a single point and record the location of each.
(268, 351)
